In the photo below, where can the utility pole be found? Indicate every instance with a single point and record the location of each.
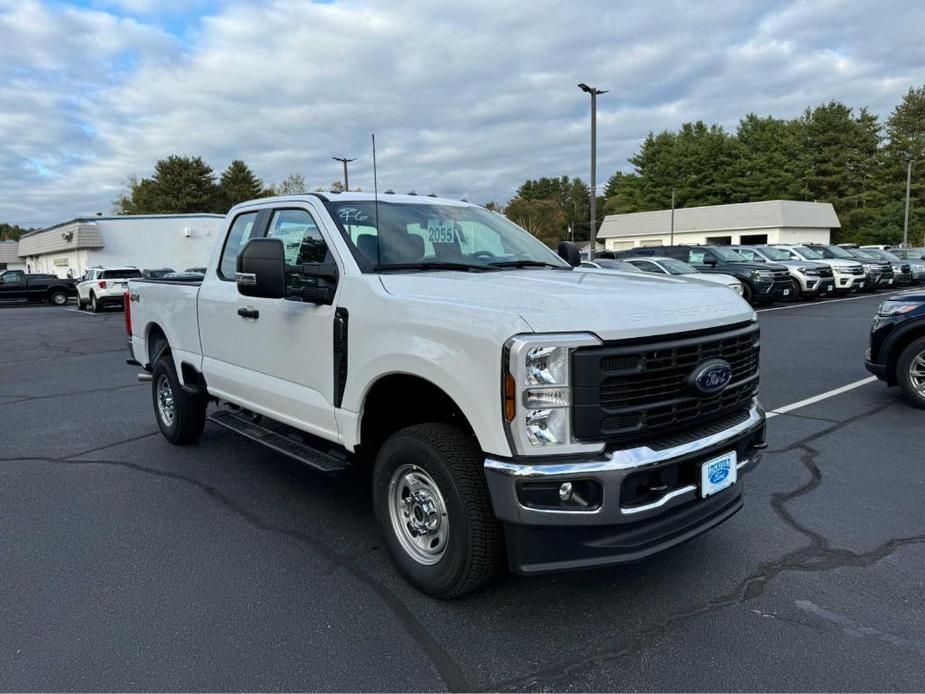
(592, 233)
(345, 161)
(671, 243)
(906, 222)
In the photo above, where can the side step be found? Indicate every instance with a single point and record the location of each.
(244, 425)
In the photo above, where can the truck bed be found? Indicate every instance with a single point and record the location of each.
(170, 303)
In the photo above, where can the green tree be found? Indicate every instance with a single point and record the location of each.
(905, 132)
(542, 218)
(293, 184)
(772, 162)
(238, 184)
(179, 185)
(572, 197)
(12, 232)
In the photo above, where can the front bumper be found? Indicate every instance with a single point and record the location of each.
(849, 283)
(551, 539)
(814, 285)
(878, 370)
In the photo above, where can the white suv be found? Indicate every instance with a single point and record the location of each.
(849, 275)
(101, 287)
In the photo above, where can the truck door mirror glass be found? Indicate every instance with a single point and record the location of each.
(318, 283)
(261, 269)
(568, 251)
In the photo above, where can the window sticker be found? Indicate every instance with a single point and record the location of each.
(441, 231)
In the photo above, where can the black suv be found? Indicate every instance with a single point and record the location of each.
(760, 281)
(896, 353)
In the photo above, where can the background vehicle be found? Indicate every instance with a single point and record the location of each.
(669, 266)
(158, 273)
(102, 287)
(761, 282)
(902, 270)
(456, 356)
(606, 264)
(16, 284)
(877, 273)
(849, 273)
(896, 353)
(808, 278)
(916, 259)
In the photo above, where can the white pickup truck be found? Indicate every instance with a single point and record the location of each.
(505, 404)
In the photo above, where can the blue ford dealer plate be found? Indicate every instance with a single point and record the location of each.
(717, 474)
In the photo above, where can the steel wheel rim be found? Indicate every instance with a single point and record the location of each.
(917, 372)
(418, 514)
(165, 405)
(59, 299)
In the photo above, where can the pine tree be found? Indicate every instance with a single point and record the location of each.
(238, 184)
(179, 185)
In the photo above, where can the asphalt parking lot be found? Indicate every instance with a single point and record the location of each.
(130, 564)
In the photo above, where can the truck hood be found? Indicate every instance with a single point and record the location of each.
(612, 305)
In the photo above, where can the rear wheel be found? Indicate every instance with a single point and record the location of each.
(910, 373)
(95, 305)
(58, 298)
(180, 415)
(433, 506)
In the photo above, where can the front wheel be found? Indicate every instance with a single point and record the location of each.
(433, 506)
(180, 415)
(747, 292)
(910, 373)
(796, 290)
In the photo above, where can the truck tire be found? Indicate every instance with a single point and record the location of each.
(180, 415)
(58, 297)
(910, 372)
(432, 502)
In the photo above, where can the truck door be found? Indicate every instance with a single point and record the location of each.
(13, 285)
(274, 356)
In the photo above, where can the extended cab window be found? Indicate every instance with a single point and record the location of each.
(238, 235)
(300, 235)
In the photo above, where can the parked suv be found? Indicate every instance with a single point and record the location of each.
(809, 278)
(902, 269)
(848, 273)
(504, 401)
(100, 287)
(761, 282)
(896, 353)
(877, 273)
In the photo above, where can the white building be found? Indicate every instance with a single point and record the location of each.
(177, 241)
(772, 221)
(9, 256)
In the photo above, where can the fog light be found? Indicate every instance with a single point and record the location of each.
(565, 491)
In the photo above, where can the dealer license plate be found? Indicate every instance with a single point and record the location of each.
(786, 292)
(717, 474)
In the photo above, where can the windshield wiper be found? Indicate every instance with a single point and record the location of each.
(438, 265)
(527, 263)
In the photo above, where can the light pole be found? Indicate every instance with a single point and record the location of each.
(906, 221)
(671, 243)
(345, 161)
(593, 91)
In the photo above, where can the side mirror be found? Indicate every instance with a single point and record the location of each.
(319, 281)
(709, 261)
(568, 251)
(261, 269)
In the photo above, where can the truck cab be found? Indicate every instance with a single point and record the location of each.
(506, 406)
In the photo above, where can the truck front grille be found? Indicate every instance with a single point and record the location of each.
(634, 391)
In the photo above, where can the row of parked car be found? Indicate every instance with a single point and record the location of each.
(767, 273)
(101, 287)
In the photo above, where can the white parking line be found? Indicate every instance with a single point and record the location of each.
(817, 303)
(82, 313)
(822, 396)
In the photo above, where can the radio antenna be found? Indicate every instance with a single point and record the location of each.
(376, 206)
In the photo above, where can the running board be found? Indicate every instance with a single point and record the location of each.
(244, 425)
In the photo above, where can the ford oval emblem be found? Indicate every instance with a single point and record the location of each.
(718, 474)
(711, 377)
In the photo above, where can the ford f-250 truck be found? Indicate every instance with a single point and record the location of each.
(506, 404)
(16, 284)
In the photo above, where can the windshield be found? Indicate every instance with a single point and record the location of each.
(729, 255)
(774, 253)
(750, 255)
(833, 252)
(808, 253)
(676, 267)
(886, 255)
(621, 265)
(422, 236)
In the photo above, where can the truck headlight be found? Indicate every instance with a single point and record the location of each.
(537, 393)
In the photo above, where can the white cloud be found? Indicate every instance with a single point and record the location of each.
(467, 99)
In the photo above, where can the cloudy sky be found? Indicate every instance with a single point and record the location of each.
(467, 99)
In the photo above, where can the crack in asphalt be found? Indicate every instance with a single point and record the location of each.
(445, 667)
(818, 555)
(27, 398)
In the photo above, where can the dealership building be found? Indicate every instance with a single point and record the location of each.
(771, 221)
(177, 241)
(9, 256)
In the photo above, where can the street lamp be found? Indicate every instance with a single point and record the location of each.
(593, 91)
(345, 161)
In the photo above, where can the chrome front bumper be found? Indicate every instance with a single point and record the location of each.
(610, 471)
